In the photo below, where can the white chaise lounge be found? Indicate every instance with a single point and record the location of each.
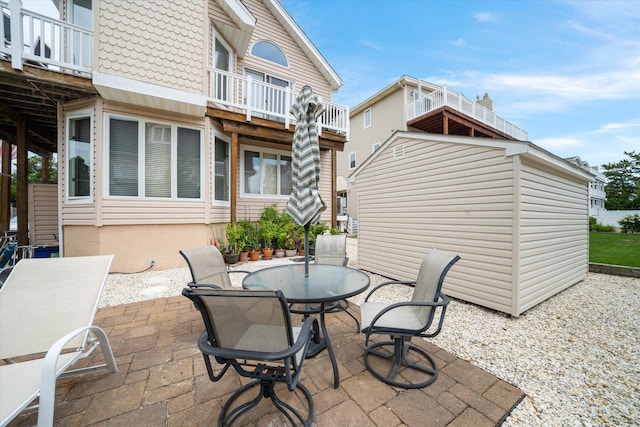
(47, 305)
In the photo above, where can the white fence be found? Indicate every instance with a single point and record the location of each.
(605, 217)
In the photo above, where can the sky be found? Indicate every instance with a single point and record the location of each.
(567, 72)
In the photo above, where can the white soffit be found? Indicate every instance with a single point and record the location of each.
(129, 91)
(240, 35)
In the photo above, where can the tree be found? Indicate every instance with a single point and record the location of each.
(623, 183)
(34, 174)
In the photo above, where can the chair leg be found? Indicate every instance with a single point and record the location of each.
(267, 390)
(400, 355)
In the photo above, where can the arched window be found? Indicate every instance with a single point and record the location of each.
(270, 52)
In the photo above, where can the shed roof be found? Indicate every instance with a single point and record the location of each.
(512, 148)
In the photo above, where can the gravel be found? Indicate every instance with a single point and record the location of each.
(575, 355)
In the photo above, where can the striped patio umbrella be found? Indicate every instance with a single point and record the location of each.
(305, 204)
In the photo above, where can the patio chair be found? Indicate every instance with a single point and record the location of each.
(404, 320)
(47, 308)
(251, 332)
(332, 249)
(208, 268)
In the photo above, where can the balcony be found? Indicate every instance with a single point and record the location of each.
(421, 114)
(259, 99)
(38, 40)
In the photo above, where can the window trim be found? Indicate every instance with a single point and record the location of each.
(364, 118)
(142, 121)
(354, 160)
(71, 116)
(286, 59)
(261, 150)
(226, 138)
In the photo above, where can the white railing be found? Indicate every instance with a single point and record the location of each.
(39, 40)
(457, 101)
(259, 99)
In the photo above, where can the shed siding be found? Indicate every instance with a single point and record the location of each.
(554, 242)
(453, 196)
(142, 42)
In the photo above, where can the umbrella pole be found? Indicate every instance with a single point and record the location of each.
(306, 249)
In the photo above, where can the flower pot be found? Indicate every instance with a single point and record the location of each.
(267, 253)
(232, 258)
(254, 255)
(279, 253)
(290, 252)
(301, 252)
(243, 256)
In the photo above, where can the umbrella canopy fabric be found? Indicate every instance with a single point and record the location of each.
(305, 204)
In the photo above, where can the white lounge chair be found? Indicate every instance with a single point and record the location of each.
(48, 305)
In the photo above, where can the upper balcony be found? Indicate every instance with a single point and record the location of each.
(39, 41)
(476, 120)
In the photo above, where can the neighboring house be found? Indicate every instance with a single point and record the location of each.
(170, 119)
(447, 172)
(597, 195)
(410, 104)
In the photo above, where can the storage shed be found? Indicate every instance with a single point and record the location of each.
(516, 214)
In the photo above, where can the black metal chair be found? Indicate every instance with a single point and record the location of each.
(251, 332)
(208, 268)
(404, 320)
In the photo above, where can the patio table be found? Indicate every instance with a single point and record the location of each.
(324, 285)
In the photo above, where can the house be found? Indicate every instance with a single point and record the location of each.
(597, 194)
(516, 214)
(168, 120)
(409, 104)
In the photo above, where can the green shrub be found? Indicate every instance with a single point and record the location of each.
(604, 228)
(593, 221)
(630, 224)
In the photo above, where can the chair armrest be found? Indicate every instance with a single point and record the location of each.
(229, 353)
(444, 303)
(203, 285)
(390, 282)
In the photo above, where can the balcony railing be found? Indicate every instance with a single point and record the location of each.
(259, 99)
(457, 101)
(39, 40)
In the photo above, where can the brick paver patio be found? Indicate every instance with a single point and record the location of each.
(162, 381)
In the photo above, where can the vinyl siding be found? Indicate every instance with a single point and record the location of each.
(554, 239)
(454, 196)
(43, 214)
(300, 71)
(153, 41)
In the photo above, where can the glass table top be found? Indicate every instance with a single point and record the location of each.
(325, 283)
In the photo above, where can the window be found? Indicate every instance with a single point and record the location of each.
(268, 98)
(81, 14)
(352, 160)
(367, 118)
(266, 173)
(153, 160)
(375, 147)
(220, 169)
(79, 173)
(270, 52)
(222, 83)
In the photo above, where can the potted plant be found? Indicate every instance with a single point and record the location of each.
(268, 232)
(235, 240)
(253, 240)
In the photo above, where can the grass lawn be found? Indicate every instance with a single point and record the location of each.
(614, 248)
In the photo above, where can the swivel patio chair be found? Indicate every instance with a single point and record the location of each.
(404, 320)
(332, 249)
(251, 332)
(208, 268)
